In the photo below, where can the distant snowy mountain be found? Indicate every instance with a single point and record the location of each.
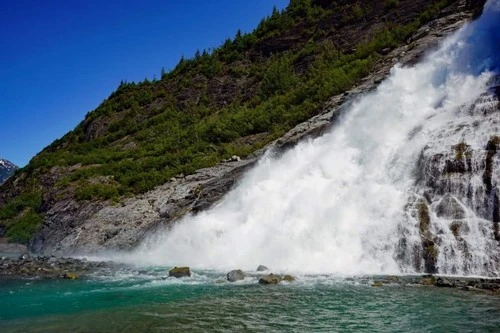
(7, 169)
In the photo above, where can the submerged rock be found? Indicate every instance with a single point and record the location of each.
(262, 268)
(270, 279)
(179, 272)
(377, 284)
(235, 275)
(288, 278)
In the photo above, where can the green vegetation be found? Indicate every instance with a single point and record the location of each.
(228, 101)
(21, 217)
(392, 3)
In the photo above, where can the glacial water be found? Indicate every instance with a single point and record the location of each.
(146, 303)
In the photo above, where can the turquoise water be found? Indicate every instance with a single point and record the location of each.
(148, 303)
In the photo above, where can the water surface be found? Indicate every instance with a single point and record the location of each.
(147, 303)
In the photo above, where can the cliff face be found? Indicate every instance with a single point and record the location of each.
(124, 171)
(7, 169)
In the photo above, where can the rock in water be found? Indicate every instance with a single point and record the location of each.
(428, 280)
(179, 272)
(262, 268)
(288, 278)
(443, 282)
(70, 276)
(235, 275)
(270, 279)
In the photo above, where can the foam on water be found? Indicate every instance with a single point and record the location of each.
(336, 204)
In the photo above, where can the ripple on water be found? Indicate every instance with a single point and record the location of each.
(145, 302)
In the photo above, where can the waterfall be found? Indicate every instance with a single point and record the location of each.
(397, 185)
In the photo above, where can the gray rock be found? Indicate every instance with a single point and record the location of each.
(444, 282)
(262, 268)
(235, 275)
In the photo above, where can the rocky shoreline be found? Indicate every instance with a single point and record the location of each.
(51, 267)
(26, 267)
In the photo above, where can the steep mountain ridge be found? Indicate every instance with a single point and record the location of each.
(74, 185)
(7, 169)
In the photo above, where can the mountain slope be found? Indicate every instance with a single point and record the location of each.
(232, 101)
(7, 169)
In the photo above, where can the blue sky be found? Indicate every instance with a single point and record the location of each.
(61, 59)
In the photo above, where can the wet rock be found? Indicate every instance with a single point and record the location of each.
(270, 279)
(70, 276)
(492, 286)
(24, 256)
(53, 267)
(450, 208)
(262, 268)
(444, 282)
(180, 272)
(377, 284)
(288, 278)
(235, 275)
(427, 281)
(458, 228)
(393, 279)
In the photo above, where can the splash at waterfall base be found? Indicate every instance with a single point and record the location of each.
(407, 181)
(26, 267)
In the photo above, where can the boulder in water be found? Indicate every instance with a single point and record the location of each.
(288, 278)
(262, 268)
(270, 279)
(235, 275)
(179, 272)
(70, 276)
(377, 284)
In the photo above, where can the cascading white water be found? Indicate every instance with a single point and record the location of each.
(338, 204)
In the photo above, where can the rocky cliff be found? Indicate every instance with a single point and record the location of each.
(7, 169)
(74, 220)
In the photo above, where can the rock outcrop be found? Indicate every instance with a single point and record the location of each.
(7, 169)
(456, 202)
(262, 268)
(52, 267)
